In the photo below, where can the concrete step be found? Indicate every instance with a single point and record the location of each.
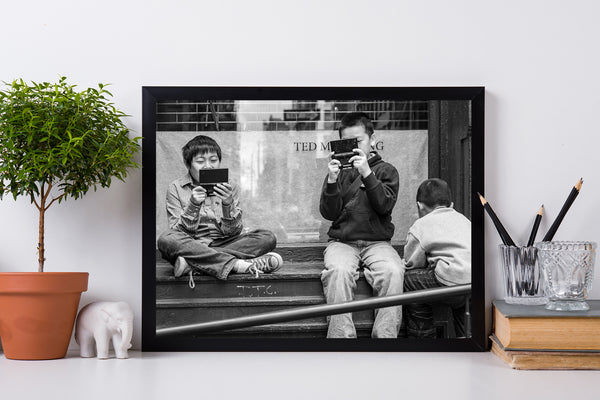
(296, 284)
(293, 279)
(306, 252)
(289, 270)
(288, 330)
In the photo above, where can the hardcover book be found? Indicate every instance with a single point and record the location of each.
(524, 327)
(546, 359)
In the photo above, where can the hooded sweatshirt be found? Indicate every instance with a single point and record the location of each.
(367, 215)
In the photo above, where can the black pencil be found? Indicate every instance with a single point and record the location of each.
(536, 225)
(506, 239)
(563, 211)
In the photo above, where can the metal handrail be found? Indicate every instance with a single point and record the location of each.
(418, 296)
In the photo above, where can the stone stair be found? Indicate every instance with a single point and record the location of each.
(296, 284)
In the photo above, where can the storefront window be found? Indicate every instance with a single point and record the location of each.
(277, 152)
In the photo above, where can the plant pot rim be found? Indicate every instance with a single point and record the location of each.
(27, 282)
(41, 273)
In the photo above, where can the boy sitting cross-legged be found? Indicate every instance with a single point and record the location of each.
(205, 231)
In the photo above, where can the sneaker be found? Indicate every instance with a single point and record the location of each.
(265, 264)
(181, 267)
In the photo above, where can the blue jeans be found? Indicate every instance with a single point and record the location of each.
(384, 271)
(219, 257)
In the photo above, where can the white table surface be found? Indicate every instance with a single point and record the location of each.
(288, 376)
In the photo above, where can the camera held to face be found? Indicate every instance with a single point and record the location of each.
(208, 178)
(344, 150)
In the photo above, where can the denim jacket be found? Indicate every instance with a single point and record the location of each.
(205, 222)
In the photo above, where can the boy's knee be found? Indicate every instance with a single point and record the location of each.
(337, 270)
(392, 271)
(270, 239)
(164, 240)
(266, 239)
(167, 244)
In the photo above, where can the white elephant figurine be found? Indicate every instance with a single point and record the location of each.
(99, 322)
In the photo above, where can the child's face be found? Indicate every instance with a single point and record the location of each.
(364, 141)
(208, 160)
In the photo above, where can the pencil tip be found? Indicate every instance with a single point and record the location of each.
(541, 212)
(481, 198)
(578, 184)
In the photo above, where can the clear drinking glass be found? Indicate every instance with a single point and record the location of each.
(523, 277)
(568, 268)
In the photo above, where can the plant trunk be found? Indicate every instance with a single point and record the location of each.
(41, 237)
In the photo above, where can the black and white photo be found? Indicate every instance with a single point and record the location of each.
(259, 236)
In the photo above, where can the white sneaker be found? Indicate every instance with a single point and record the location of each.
(265, 264)
(181, 267)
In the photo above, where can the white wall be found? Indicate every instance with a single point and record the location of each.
(537, 59)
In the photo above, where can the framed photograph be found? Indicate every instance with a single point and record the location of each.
(291, 246)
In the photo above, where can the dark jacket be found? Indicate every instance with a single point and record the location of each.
(367, 215)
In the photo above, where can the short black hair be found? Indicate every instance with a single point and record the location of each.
(434, 192)
(199, 145)
(356, 119)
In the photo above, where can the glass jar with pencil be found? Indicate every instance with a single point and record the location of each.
(558, 274)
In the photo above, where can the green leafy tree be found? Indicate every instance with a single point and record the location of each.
(57, 142)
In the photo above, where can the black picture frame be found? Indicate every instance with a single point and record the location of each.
(435, 97)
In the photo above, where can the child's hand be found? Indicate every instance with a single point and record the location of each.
(198, 195)
(361, 163)
(334, 167)
(224, 191)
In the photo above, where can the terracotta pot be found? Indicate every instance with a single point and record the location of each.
(37, 312)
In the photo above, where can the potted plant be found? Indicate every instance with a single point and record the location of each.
(55, 143)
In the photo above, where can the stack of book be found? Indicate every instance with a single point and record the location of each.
(531, 337)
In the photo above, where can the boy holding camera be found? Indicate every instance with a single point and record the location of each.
(359, 202)
(437, 254)
(205, 231)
